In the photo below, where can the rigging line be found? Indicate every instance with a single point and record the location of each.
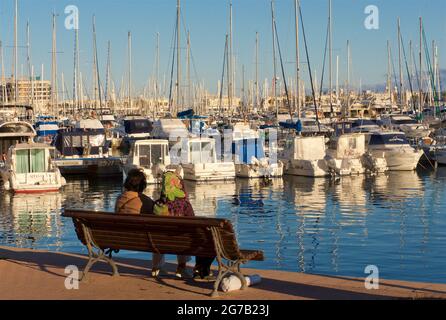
(429, 65)
(309, 66)
(283, 70)
(172, 71)
(324, 65)
(408, 72)
(416, 70)
(223, 75)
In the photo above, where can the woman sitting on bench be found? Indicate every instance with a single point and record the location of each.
(174, 202)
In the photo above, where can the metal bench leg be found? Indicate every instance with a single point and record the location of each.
(95, 257)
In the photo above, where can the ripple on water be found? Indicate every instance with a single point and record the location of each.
(395, 221)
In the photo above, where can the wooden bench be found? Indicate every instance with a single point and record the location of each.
(190, 236)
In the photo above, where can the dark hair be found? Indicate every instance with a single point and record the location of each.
(136, 181)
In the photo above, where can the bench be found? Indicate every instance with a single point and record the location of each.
(190, 236)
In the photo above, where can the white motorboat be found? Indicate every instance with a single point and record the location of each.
(305, 156)
(199, 161)
(394, 146)
(153, 157)
(345, 154)
(249, 155)
(29, 168)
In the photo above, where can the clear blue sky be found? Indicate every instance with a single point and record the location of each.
(207, 21)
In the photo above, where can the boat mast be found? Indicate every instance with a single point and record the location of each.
(5, 97)
(257, 73)
(348, 77)
(274, 84)
(389, 74)
(230, 63)
(400, 89)
(54, 87)
(421, 67)
(330, 49)
(15, 59)
(178, 57)
(189, 85)
(296, 19)
(157, 75)
(28, 60)
(108, 75)
(130, 71)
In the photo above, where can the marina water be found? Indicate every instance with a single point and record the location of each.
(396, 221)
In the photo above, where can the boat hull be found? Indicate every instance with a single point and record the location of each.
(401, 159)
(91, 166)
(255, 171)
(306, 168)
(209, 171)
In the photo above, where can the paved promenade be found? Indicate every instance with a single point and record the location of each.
(30, 274)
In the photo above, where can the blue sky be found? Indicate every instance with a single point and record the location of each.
(207, 21)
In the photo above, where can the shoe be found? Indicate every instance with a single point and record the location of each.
(183, 273)
(204, 278)
(157, 273)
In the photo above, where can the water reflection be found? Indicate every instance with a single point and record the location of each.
(328, 226)
(28, 219)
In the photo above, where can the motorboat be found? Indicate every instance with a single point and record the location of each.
(305, 156)
(248, 150)
(199, 161)
(30, 168)
(153, 157)
(84, 151)
(345, 154)
(395, 147)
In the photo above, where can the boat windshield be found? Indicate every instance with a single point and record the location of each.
(201, 152)
(151, 154)
(393, 139)
(137, 126)
(31, 161)
(404, 121)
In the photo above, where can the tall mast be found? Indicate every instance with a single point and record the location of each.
(54, 87)
(330, 49)
(178, 57)
(108, 75)
(296, 18)
(337, 79)
(130, 70)
(97, 91)
(28, 60)
(76, 73)
(389, 74)
(400, 89)
(16, 59)
(348, 78)
(421, 66)
(230, 61)
(157, 74)
(273, 18)
(4, 94)
(189, 85)
(256, 103)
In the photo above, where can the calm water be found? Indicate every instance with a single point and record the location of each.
(337, 227)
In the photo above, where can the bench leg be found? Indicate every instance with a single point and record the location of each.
(95, 257)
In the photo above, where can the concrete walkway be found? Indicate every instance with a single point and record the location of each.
(31, 274)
